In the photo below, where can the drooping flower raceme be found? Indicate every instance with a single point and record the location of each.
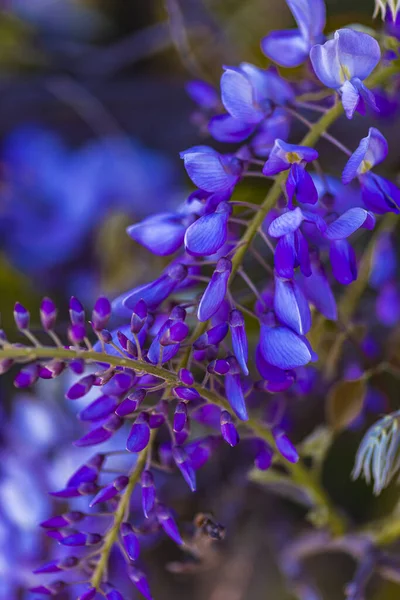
(215, 352)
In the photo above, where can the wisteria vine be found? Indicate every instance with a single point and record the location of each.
(171, 361)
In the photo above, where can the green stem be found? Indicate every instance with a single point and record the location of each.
(120, 515)
(299, 472)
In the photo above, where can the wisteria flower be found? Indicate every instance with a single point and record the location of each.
(343, 63)
(211, 171)
(291, 47)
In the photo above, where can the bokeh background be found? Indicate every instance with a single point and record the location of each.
(93, 114)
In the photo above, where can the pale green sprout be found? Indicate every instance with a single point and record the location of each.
(378, 457)
(383, 5)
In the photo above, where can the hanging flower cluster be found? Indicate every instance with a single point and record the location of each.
(183, 352)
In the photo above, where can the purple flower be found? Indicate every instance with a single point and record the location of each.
(184, 464)
(291, 306)
(283, 348)
(284, 155)
(343, 63)
(234, 390)
(228, 429)
(239, 339)
(139, 435)
(48, 313)
(211, 171)
(130, 541)
(277, 126)
(101, 313)
(209, 233)
(161, 234)
(291, 47)
(215, 292)
(371, 151)
(204, 94)
(148, 492)
(249, 94)
(153, 294)
(379, 194)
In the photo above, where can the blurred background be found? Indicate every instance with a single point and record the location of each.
(93, 114)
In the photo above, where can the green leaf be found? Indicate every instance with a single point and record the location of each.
(316, 445)
(345, 402)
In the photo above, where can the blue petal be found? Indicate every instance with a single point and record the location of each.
(343, 261)
(384, 261)
(206, 170)
(234, 394)
(237, 95)
(300, 183)
(379, 194)
(388, 305)
(162, 234)
(350, 98)
(286, 223)
(215, 291)
(291, 306)
(138, 438)
(153, 293)
(286, 47)
(325, 61)
(310, 16)
(348, 223)
(283, 348)
(225, 128)
(318, 291)
(209, 233)
(239, 339)
(268, 86)
(285, 257)
(371, 151)
(358, 53)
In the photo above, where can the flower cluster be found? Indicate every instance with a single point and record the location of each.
(185, 351)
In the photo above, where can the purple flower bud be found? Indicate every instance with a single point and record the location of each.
(81, 539)
(101, 313)
(130, 541)
(140, 581)
(87, 472)
(76, 312)
(81, 387)
(120, 383)
(285, 446)
(156, 420)
(55, 566)
(48, 313)
(234, 390)
(127, 344)
(76, 333)
(219, 367)
(186, 377)
(180, 416)
(131, 403)
(228, 429)
(111, 490)
(50, 589)
(84, 489)
(77, 366)
(148, 492)
(100, 434)
(98, 409)
(139, 435)
(216, 334)
(239, 339)
(187, 394)
(89, 595)
(65, 520)
(105, 336)
(21, 316)
(175, 334)
(184, 465)
(27, 376)
(263, 459)
(51, 369)
(215, 292)
(139, 316)
(167, 522)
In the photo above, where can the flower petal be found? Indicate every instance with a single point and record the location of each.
(348, 223)
(216, 290)
(237, 95)
(225, 128)
(343, 261)
(287, 48)
(206, 170)
(291, 306)
(209, 233)
(162, 234)
(286, 223)
(283, 348)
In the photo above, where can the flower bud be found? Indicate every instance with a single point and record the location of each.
(21, 316)
(101, 313)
